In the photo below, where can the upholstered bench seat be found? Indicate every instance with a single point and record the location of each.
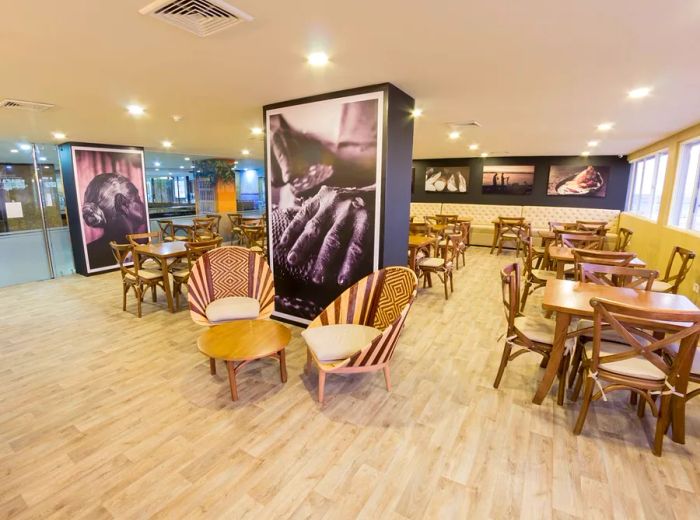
(233, 308)
(334, 342)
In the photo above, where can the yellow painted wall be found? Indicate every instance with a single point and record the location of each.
(653, 241)
(225, 197)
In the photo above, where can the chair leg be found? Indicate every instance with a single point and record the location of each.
(125, 290)
(662, 424)
(139, 299)
(563, 368)
(579, 383)
(575, 363)
(307, 366)
(526, 292)
(587, 394)
(504, 361)
(640, 407)
(452, 287)
(633, 398)
(387, 378)
(444, 283)
(153, 293)
(321, 385)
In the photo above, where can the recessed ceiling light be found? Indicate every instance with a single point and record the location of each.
(25, 147)
(454, 135)
(187, 158)
(14, 150)
(46, 167)
(317, 59)
(604, 127)
(177, 118)
(256, 130)
(585, 154)
(638, 93)
(58, 135)
(485, 154)
(182, 167)
(474, 146)
(593, 144)
(167, 144)
(417, 112)
(157, 169)
(42, 158)
(135, 110)
(245, 152)
(156, 164)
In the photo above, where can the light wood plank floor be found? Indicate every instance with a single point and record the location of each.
(104, 415)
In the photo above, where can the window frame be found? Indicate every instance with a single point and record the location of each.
(636, 179)
(674, 216)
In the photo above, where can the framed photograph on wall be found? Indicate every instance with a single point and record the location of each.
(579, 181)
(110, 187)
(508, 179)
(324, 180)
(447, 179)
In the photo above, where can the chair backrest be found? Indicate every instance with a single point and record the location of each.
(592, 226)
(513, 226)
(562, 226)
(166, 228)
(686, 258)
(592, 256)
(136, 239)
(510, 292)
(418, 228)
(529, 257)
(617, 276)
(121, 252)
(235, 219)
(446, 219)
(217, 220)
(624, 236)
(196, 249)
(579, 240)
(229, 271)
(636, 326)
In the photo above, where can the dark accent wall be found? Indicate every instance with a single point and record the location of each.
(615, 199)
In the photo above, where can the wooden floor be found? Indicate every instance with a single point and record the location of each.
(105, 415)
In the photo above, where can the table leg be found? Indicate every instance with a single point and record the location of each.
(212, 366)
(687, 350)
(232, 380)
(166, 283)
(283, 366)
(560, 332)
(560, 269)
(412, 258)
(496, 230)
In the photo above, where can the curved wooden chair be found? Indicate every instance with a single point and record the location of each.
(230, 283)
(671, 282)
(358, 332)
(512, 229)
(624, 237)
(135, 277)
(534, 278)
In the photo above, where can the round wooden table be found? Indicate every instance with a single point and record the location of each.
(240, 342)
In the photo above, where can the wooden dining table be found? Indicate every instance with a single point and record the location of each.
(563, 255)
(417, 242)
(162, 252)
(497, 230)
(572, 299)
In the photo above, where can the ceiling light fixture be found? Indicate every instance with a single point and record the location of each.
(474, 146)
(416, 112)
(167, 144)
(156, 164)
(58, 135)
(317, 59)
(177, 118)
(256, 130)
(14, 150)
(454, 135)
(605, 127)
(585, 154)
(187, 158)
(135, 110)
(485, 154)
(593, 144)
(245, 152)
(639, 93)
(182, 167)
(25, 147)
(42, 158)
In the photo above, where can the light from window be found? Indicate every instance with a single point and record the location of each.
(646, 184)
(685, 211)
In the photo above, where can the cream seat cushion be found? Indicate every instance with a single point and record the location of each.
(334, 342)
(432, 262)
(147, 274)
(537, 329)
(637, 366)
(543, 274)
(659, 286)
(695, 369)
(232, 308)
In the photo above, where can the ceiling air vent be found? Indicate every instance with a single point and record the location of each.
(32, 106)
(201, 17)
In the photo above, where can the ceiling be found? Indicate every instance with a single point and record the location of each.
(539, 75)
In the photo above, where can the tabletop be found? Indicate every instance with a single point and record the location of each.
(563, 253)
(162, 249)
(574, 298)
(244, 340)
(420, 240)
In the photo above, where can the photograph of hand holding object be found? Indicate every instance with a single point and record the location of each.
(324, 172)
(447, 179)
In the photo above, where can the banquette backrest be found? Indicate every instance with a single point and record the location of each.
(540, 216)
(420, 210)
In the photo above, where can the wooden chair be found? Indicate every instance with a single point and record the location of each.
(217, 221)
(525, 333)
(638, 366)
(580, 240)
(255, 238)
(671, 282)
(236, 232)
(598, 227)
(359, 331)
(181, 274)
(562, 226)
(167, 230)
(511, 229)
(593, 256)
(152, 237)
(446, 219)
(418, 228)
(624, 237)
(135, 277)
(224, 281)
(453, 239)
(442, 266)
(204, 228)
(533, 276)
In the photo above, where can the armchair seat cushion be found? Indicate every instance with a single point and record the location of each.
(637, 366)
(232, 308)
(432, 262)
(536, 329)
(334, 342)
(660, 286)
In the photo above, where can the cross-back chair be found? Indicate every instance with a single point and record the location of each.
(638, 365)
(582, 240)
(359, 331)
(598, 227)
(167, 230)
(594, 256)
(617, 276)
(534, 278)
(181, 275)
(217, 221)
(624, 237)
(204, 228)
(441, 266)
(511, 229)
(673, 279)
(151, 237)
(236, 232)
(134, 277)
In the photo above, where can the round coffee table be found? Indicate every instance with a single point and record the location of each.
(240, 342)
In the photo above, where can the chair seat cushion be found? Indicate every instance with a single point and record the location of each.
(536, 329)
(637, 366)
(150, 274)
(334, 342)
(660, 286)
(432, 262)
(538, 249)
(180, 273)
(695, 369)
(232, 308)
(543, 274)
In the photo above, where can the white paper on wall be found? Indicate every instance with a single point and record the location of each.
(48, 200)
(14, 210)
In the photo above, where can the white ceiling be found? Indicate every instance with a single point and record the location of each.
(539, 75)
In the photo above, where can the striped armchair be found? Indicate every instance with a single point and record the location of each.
(358, 332)
(230, 283)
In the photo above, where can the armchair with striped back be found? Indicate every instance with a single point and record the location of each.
(230, 283)
(358, 332)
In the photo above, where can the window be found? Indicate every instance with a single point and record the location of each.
(646, 184)
(685, 212)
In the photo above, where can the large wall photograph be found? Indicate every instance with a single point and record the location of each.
(508, 179)
(447, 179)
(586, 181)
(110, 187)
(324, 170)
